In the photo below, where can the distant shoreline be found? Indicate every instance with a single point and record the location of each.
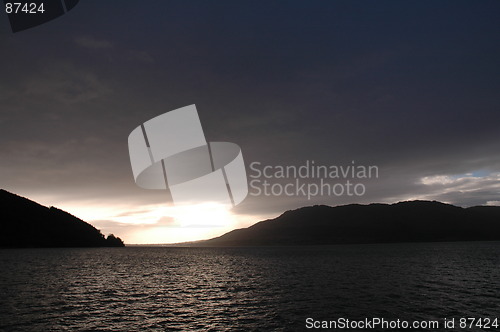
(180, 245)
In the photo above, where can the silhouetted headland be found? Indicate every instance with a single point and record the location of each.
(413, 221)
(27, 224)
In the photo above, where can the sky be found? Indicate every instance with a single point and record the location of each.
(411, 87)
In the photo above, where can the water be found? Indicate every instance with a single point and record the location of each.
(247, 289)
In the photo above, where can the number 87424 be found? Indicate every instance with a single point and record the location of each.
(24, 7)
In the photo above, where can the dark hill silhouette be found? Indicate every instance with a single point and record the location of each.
(414, 221)
(24, 223)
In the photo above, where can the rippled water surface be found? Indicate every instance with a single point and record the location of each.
(247, 289)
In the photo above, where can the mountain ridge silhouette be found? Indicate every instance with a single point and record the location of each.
(27, 224)
(410, 221)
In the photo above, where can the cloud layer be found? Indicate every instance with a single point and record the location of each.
(405, 86)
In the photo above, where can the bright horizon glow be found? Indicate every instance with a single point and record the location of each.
(157, 223)
(174, 224)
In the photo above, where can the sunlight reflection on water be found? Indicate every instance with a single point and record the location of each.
(223, 289)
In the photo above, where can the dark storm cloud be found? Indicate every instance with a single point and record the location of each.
(93, 43)
(411, 87)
